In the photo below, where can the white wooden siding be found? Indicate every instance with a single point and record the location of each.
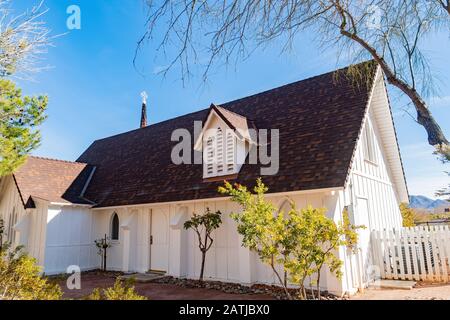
(33, 238)
(10, 201)
(69, 239)
(226, 260)
(373, 182)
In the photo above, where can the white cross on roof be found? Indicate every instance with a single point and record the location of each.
(144, 97)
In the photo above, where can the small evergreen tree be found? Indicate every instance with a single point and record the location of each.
(204, 225)
(19, 116)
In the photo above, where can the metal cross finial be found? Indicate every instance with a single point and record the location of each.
(144, 97)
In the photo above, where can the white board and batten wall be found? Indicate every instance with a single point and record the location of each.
(175, 250)
(69, 239)
(371, 192)
(24, 227)
(57, 236)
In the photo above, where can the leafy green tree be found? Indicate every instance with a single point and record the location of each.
(263, 230)
(20, 278)
(408, 215)
(302, 241)
(317, 240)
(19, 117)
(120, 291)
(204, 225)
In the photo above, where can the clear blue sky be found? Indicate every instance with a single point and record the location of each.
(94, 89)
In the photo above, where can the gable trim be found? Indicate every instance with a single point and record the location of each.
(379, 77)
(20, 193)
(363, 122)
(214, 110)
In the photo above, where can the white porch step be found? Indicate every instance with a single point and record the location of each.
(143, 277)
(393, 284)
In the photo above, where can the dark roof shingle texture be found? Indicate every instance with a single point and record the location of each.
(318, 119)
(52, 180)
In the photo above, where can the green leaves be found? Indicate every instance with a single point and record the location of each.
(19, 115)
(204, 225)
(209, 220)
(408, 215)
(122, 290)
(302, 241)
(20, 278)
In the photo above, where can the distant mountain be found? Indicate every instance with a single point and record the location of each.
(422, 202)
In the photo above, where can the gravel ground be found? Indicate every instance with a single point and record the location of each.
(154, 291)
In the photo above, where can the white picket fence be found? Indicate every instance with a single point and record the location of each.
(418, 253)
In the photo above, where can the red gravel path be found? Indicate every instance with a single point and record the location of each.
(155, 291)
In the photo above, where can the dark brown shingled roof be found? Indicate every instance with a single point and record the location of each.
(319, 120)
(52, 180)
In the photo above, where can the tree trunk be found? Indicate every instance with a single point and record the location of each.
(203, 265)
(436, 137)
(286, 291)
(104, 259)
(318, 285)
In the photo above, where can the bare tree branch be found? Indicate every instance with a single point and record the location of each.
(23, 40)
(388, 31)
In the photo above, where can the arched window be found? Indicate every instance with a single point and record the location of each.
(115, 227)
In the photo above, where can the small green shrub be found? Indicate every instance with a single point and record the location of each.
(122, 290)
(20, 278)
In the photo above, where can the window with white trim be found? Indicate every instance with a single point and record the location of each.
(115, 227)
(220, 153)
(369, 143)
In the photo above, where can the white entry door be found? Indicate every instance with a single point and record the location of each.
(159, 247)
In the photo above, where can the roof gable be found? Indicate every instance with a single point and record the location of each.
(239, 124)
(382, 113)
(51, 180)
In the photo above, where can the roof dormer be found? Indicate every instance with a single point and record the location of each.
(224, 141)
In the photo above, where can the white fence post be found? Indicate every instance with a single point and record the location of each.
(418, 253)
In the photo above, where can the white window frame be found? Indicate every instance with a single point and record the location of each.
(369, 150)
(111, 227)
(219, 161)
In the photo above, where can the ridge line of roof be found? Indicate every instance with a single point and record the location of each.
(223, 105)
(58, 160)
(227, 110)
